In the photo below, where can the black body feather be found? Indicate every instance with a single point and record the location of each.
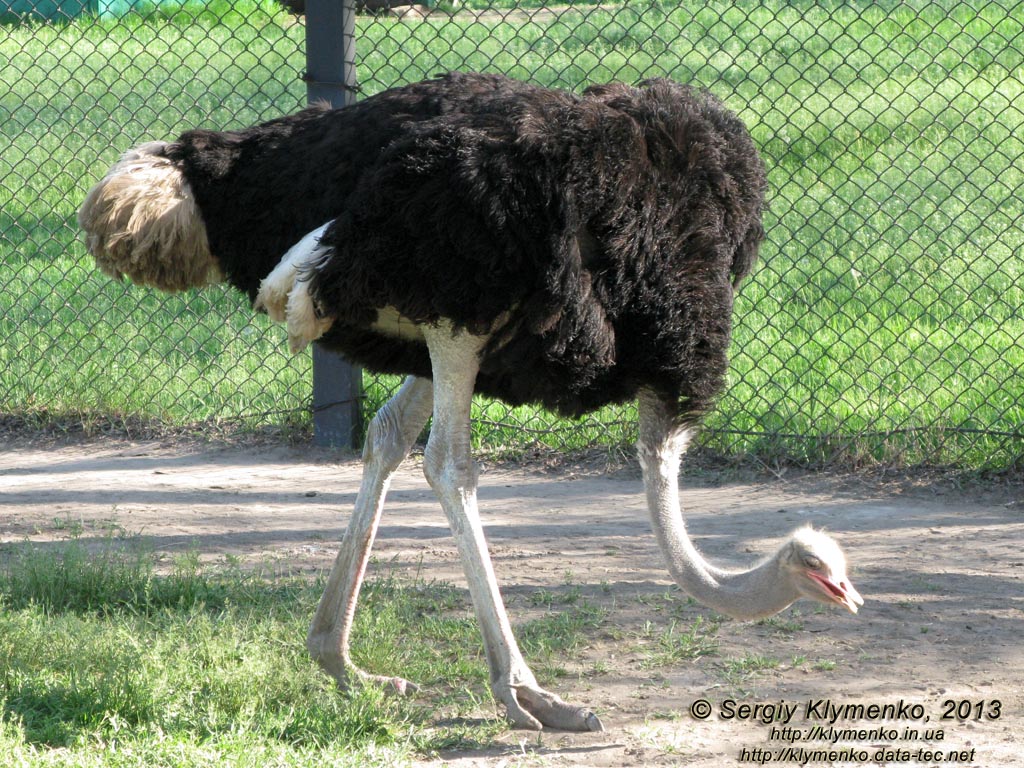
(597, 237)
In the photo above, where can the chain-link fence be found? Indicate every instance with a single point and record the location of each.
(886, 319)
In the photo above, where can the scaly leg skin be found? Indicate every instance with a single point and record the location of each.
(389, 437)
(452, 474)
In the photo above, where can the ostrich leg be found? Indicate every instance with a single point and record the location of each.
(452, 474)
(390, 436)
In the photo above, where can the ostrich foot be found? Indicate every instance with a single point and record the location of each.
(398, 685)
(348, 676)
(530, 706)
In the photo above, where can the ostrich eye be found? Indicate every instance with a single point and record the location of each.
(812, 562)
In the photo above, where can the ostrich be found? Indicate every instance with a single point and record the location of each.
(480, 234)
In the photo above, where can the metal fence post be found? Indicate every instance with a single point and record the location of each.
(331, 76)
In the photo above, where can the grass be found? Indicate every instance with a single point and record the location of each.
(672, 645)
(108, 660)
(884, 324)
(186, 669)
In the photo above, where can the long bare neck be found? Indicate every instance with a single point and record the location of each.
(748, 594)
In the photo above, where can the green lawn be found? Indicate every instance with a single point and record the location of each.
(187, 669)
(107, 663)
(885, 322)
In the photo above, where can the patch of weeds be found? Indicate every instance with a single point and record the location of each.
(752, 664)
(675, 644)
(663, 736)
(550, 639)
(65, 524)
(671, 601)
(786, 625)
(737, 671)
(546, 598)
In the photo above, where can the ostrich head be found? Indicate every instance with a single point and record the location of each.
(142, 221)
(815, 568)
(809, 565)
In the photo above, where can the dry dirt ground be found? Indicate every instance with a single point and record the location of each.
(941, 570)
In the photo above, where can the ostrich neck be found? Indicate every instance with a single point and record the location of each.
(758, 592)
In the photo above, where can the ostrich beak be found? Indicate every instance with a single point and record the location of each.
(841, 591)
